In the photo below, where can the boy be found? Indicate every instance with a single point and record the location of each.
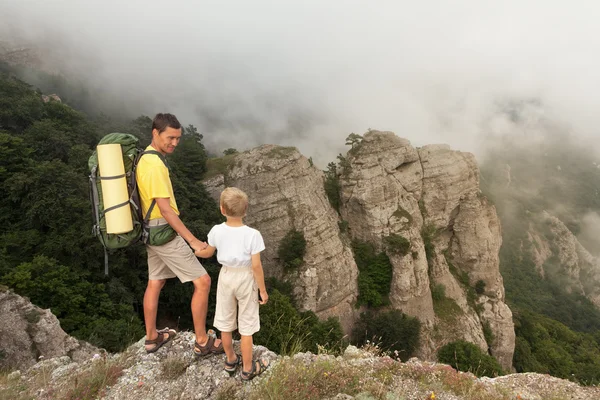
(238, 251)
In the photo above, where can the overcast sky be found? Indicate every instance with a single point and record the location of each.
(307, 73)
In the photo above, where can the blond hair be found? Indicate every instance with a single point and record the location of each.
(234, 202)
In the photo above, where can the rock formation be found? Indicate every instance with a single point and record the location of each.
(28, 333)
(429, 196)
(559, 256)
(432, 195)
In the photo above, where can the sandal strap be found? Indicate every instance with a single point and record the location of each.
(233, 364)
(158, 339)
(206, 348)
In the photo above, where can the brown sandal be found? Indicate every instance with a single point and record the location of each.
(160, 339)
(258, 367)
(208, 348)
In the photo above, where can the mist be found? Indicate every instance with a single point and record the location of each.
(309, 73)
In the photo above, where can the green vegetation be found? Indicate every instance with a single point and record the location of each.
(281, 152)
(287, 331)
(547, 346)
(292, 249)
(465, 356)
(488, 334)
(397, 244)
(47, 252)
(374, 275)
(219, 166)
(463, 278)
(392, 331)
(332, 186)
(444, 307)
(428, 234)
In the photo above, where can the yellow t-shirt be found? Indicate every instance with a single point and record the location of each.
(154, 183)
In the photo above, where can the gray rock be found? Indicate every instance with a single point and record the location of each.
(29, 333)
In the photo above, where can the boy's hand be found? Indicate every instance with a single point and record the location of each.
(197, 244)
(264, 297)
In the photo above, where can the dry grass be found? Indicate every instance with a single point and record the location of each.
(380, 378)
(173, 367)
(87, 383)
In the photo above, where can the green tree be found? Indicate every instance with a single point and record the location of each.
(292, 249)
(465, 356)
(353, 139)
(392, 330)
(332, 186)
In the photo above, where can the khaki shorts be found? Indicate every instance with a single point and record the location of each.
(173, 259)
(237, 289)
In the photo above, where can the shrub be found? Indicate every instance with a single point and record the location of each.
(292, 249)
(488, 334)
(397, 244)
(286, 331)
(428, 233)
(392, 330)
(374, 275)
(438, 292)
(467, 357)
(332, 186)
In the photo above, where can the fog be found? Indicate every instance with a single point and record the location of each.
(308, 73)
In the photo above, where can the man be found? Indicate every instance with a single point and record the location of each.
(174, 258)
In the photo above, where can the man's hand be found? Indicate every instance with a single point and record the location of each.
(198, 245)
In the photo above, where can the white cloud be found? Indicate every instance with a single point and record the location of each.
(310, 72)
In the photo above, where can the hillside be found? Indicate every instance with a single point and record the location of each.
(174, 372)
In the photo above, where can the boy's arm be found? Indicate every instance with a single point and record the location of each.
(205, 253)
(259, 277)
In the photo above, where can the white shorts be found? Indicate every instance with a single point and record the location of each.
(237, 301)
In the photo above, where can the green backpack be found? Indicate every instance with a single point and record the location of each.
(141, 232)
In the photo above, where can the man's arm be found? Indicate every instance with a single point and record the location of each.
(172, 218)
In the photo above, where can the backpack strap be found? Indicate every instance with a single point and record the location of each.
(164, 160)
(96, 204)
(159, 154)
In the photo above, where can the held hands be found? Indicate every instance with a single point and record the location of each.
(264, 297)
(198, 245)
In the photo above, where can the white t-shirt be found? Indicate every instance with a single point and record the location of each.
(235, 244)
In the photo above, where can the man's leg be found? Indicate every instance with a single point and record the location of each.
(151, 307)
(200, 308)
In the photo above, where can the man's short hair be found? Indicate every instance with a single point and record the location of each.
(163, 121)
(234, 202)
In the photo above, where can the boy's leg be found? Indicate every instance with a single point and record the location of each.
(227, 338)
(246, 353)
(151, 307)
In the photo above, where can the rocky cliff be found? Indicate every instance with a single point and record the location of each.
(429, 196)
(559, 256)
(28, 334)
